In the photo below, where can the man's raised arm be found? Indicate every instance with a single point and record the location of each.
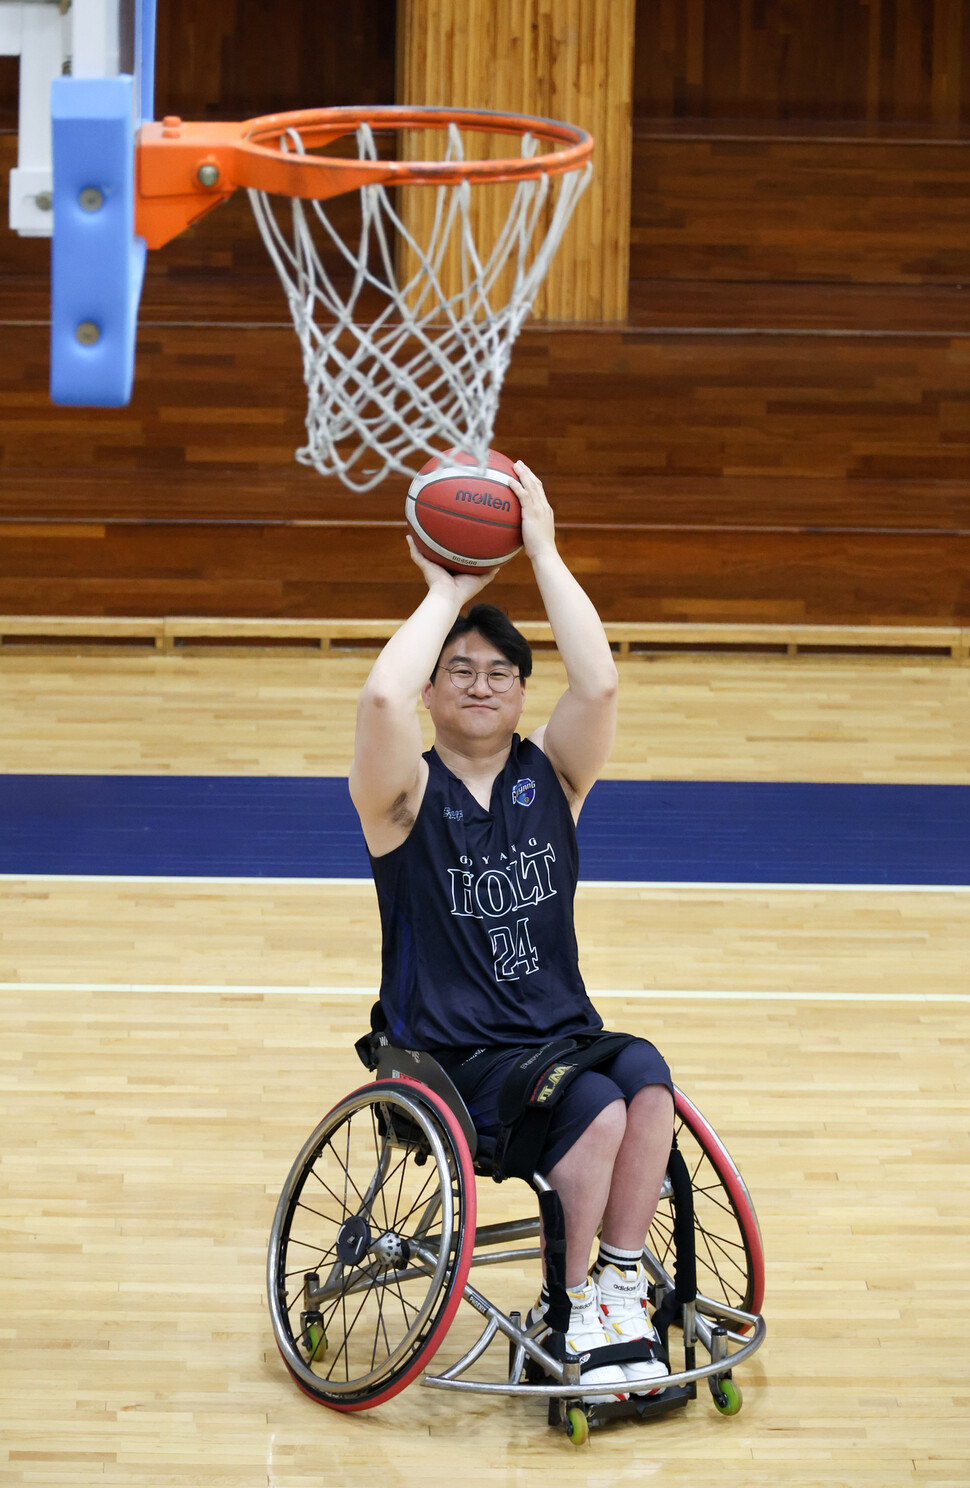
(387, 775)
(579, 735)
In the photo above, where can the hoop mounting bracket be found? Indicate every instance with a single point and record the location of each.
(186, 169)
(182, 172)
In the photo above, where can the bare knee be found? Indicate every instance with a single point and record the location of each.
(652, 1112)
(594, 1150)
(608, 1129)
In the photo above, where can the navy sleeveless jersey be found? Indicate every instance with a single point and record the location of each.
(476, 908)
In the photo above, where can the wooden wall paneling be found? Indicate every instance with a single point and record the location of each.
(780, 308)
(899, 61)
(239, 58)
(586, 500)
(950, 36)
(306, 571)
(618, 410)
(714, 477)
(558, 59)
(838, 210)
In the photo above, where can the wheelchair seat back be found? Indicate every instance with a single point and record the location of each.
(393, 1062)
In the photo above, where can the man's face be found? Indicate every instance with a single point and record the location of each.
(474, 710)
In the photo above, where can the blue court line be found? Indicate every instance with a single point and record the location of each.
(630, 831)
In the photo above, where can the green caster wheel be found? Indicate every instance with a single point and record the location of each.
(727, 1397)
(577, 1426)
(314, 1336)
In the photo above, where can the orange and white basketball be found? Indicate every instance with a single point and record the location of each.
(463, 518)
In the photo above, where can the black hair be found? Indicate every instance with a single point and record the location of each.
(496, 627)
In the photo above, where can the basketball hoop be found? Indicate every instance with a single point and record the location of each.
(407, 332)
(406, 317)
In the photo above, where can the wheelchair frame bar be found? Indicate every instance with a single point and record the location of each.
(509, 1229)
(527, 1253)
(495, 1320)
(501, 1234)
(567, 1390)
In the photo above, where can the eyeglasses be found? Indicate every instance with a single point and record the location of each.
(499, 679)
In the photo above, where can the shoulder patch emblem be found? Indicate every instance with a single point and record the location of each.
(523, 792)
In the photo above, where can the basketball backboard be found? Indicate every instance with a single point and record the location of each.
(86, 86)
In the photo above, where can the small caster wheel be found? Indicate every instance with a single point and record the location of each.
(727, 1397)
(314, 1336)
(577, 1426)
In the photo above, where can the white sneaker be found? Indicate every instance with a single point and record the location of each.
(585, 1332)
(622, 1299)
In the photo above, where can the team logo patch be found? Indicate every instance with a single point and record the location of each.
(450, 814)
(552, 1080)
(523, 792)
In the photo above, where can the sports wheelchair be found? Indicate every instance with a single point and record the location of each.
(375, 1234)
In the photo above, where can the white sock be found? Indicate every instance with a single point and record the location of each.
(612, 1255)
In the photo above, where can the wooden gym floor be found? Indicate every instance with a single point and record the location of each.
(167, 1044)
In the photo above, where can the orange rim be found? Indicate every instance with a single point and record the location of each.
(186, 169)
(321, 126)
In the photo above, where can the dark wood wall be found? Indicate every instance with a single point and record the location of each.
(231, 59)
(888, 61)
(781, 433)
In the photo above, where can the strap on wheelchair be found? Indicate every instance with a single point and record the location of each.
(531, 1090)
(554, 1250)
(685, 1263)
(370, 1044)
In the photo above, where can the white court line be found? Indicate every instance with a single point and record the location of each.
(759, 886)
(641, 994)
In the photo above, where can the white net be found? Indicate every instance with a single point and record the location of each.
(406, 343)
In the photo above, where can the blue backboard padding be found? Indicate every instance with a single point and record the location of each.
(97, 263)
(145, 58)
(666, 831)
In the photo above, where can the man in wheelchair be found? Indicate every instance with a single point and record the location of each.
(473, 850)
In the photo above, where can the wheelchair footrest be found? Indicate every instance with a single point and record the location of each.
(641, 1407)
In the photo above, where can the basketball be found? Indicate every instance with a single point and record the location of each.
(464, 519)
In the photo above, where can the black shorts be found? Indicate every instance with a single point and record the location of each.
(478, 1075)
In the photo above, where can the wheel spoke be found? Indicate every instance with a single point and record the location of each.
(381, 1328)
(342, 1203)
(711, 1245)
(402, 1168)
(346, 1167)
(715, 1197)
(401, 1220)
(300, 1271)
(317, 1213)
(405, 1303)
(379, 1150)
